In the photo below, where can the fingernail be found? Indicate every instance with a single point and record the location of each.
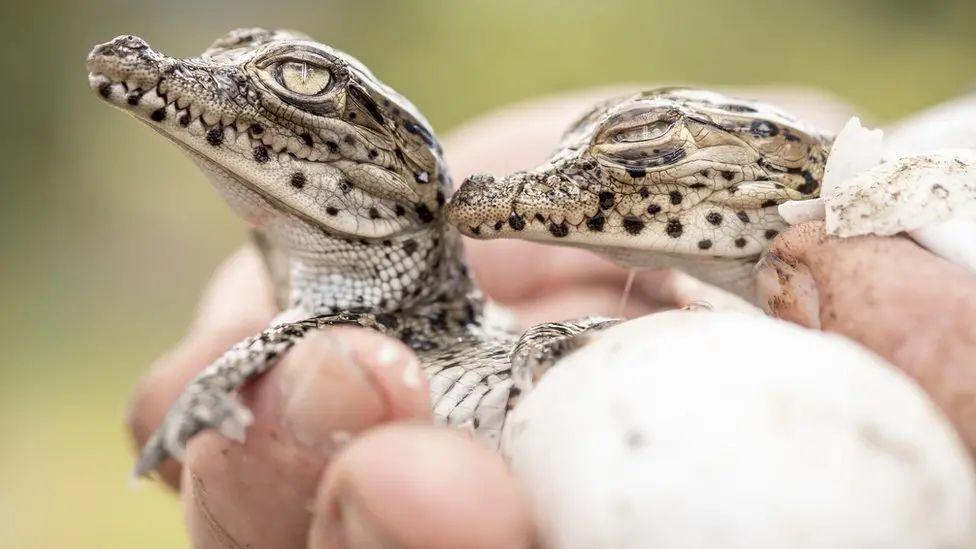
(323, 396)
(787, 290)
(347, 526)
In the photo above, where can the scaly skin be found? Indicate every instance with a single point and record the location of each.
(344, 182)
(666, 178)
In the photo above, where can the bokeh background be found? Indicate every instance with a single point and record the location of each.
(107, 233)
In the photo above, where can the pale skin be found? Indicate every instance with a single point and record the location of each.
(910, 306)
(342, 451)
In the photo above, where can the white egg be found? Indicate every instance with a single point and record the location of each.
(704, 430)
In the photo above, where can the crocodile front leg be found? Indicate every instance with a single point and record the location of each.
(209, 401)
(541, 346)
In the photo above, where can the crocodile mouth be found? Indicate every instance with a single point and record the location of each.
(152, 106)
(546, 207)
(213, 115)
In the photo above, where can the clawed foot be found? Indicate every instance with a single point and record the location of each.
(194, 411)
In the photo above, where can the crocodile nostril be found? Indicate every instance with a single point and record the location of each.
(119, 47)
(130, 42)
(478, 181)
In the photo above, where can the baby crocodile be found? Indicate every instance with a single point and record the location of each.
(345, 185)
(671, 177)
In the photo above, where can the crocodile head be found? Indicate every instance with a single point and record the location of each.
(283, 124)
(673, 172)
(327, 162)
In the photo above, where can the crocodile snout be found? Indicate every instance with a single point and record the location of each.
(481, 199)
(124, 59)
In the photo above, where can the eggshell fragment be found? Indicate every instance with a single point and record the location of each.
(905, 194)
(855, 150)
(701, 430)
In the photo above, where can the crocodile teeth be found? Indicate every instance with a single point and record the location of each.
(243, 142)
(196, 128)
(182, 102)
(228, 120)
(152, 100)
(195, 111)
(210, 118)
(279, 143)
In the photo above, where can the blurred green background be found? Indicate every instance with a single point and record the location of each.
(107, 234)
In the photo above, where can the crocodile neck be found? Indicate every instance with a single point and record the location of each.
(396, 274)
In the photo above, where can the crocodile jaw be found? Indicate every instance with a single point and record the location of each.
(277, 164)
(671, 172)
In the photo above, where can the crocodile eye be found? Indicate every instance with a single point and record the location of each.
(303, 78)
(646, 132)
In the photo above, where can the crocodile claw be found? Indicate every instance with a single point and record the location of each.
(195, 412)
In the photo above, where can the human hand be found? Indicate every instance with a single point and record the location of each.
(293, 483)
(910, 306)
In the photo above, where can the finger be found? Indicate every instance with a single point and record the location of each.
(908, 305)
(331, 386)
(237, 303)
(413, 486)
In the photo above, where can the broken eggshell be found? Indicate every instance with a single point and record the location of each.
(931, 196)
(699, 430)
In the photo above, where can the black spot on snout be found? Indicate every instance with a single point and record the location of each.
(674, 228)
(158, 115)
(215, 136)
(260, 154)
(606, 200)
(714, 218)
(560, 230)
(596, 222)
(633, 225)
(704, 244)
(675, 197)
(516, 222)
(297, 180)
(105, 89)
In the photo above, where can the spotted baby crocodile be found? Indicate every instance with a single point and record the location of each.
(671, 177)
(345, 182)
